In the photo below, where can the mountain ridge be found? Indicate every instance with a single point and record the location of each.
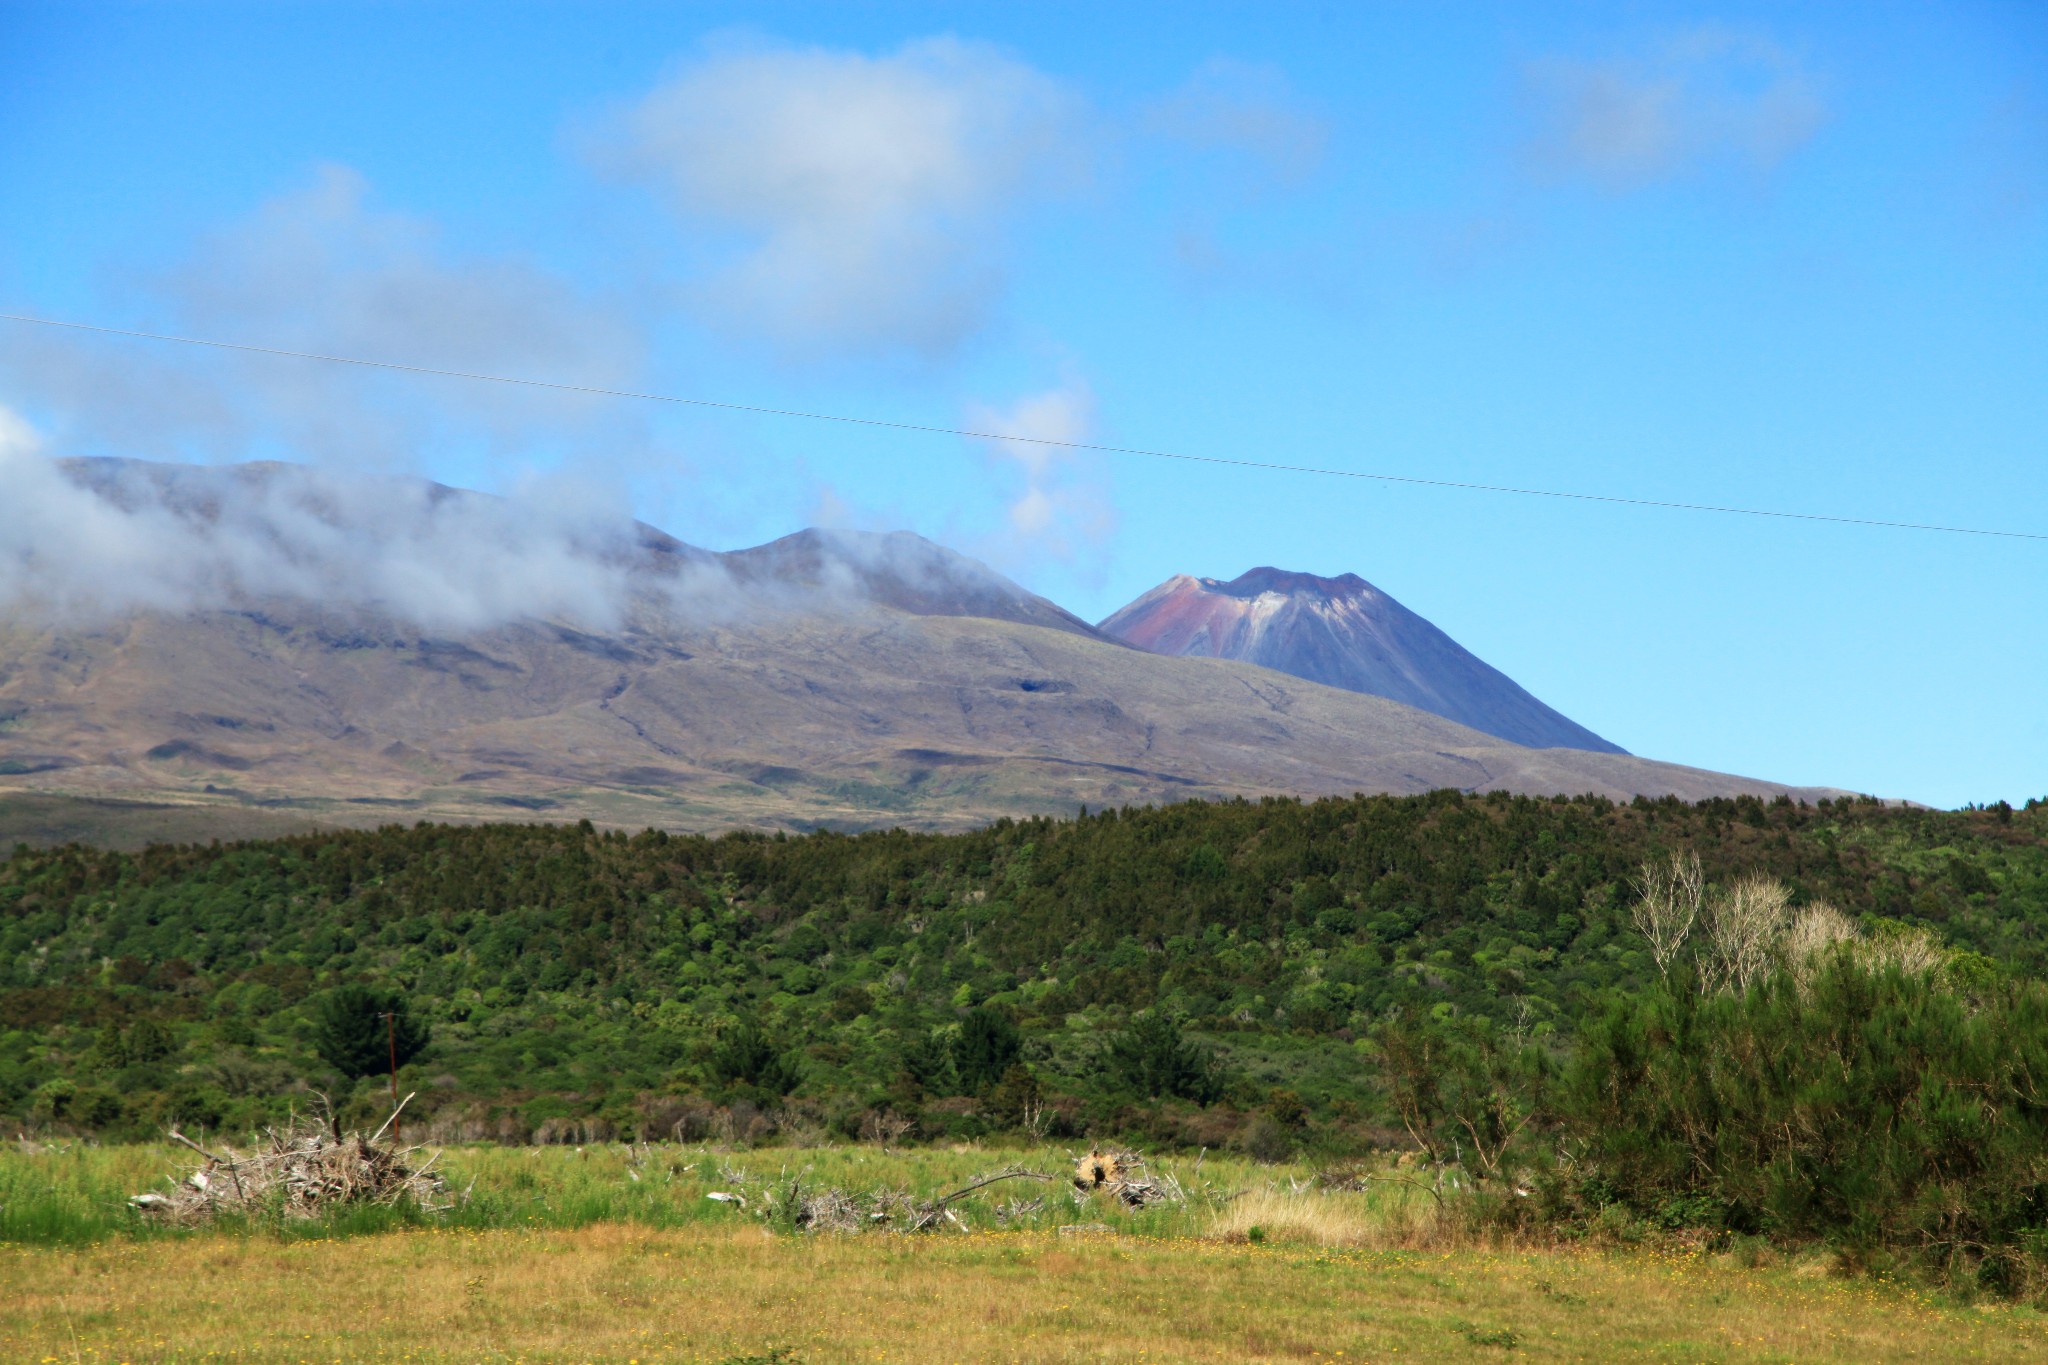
(830, 678)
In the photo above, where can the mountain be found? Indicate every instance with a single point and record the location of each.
(897, 570)
(848, 720)
(1345, 633)
(827, 679)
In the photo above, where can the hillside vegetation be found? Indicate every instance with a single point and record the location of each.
(631, 983)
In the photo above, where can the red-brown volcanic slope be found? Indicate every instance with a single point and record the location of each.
(1345, 633)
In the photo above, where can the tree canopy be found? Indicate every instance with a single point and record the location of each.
(563, 973)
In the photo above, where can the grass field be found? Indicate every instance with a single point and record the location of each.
(562, 1256)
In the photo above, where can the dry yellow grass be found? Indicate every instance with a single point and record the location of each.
(1388, 1218)
(620, 1294)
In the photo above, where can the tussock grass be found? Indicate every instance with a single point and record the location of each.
(1381, 1218)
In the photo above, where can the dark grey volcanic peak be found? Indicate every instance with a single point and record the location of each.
(1345, 633)
(902, 570)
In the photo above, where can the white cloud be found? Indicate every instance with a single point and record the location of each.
(866, 197)
(320, 270)
(1712, 94)
(1059, 507)
(85, 540)
(1247, 109)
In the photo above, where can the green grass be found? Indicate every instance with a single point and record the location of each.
(76, 1194)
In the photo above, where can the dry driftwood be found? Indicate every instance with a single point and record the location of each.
(1019, 1210)
(927, 1216)
(297, 1171)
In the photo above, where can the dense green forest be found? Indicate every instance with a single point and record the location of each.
(1201, 973)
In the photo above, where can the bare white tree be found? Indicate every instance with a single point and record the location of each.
(1751, 934)
(1817, 931)
(1668, 899)
(1914, 952)
(1744, 924)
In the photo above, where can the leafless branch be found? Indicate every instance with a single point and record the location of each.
(1669, 896)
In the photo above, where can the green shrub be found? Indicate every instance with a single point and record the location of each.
(745, 1057)
(987, 1046)
(1151, 1058)
(1872, 1108)
(359, 1030)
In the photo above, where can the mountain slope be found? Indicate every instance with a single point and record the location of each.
(833, 679)
(1345, 633)
(870, 718)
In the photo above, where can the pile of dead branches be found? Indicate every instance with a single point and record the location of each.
(298, 1171)
(1121, 1175)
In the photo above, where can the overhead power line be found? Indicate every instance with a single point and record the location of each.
(930, 430)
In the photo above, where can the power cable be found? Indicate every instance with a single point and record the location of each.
(1022, 440)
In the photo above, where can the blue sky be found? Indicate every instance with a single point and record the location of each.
(1783, 256)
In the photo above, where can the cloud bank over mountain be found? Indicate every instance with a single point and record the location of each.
(94, 539)
(86, 541)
